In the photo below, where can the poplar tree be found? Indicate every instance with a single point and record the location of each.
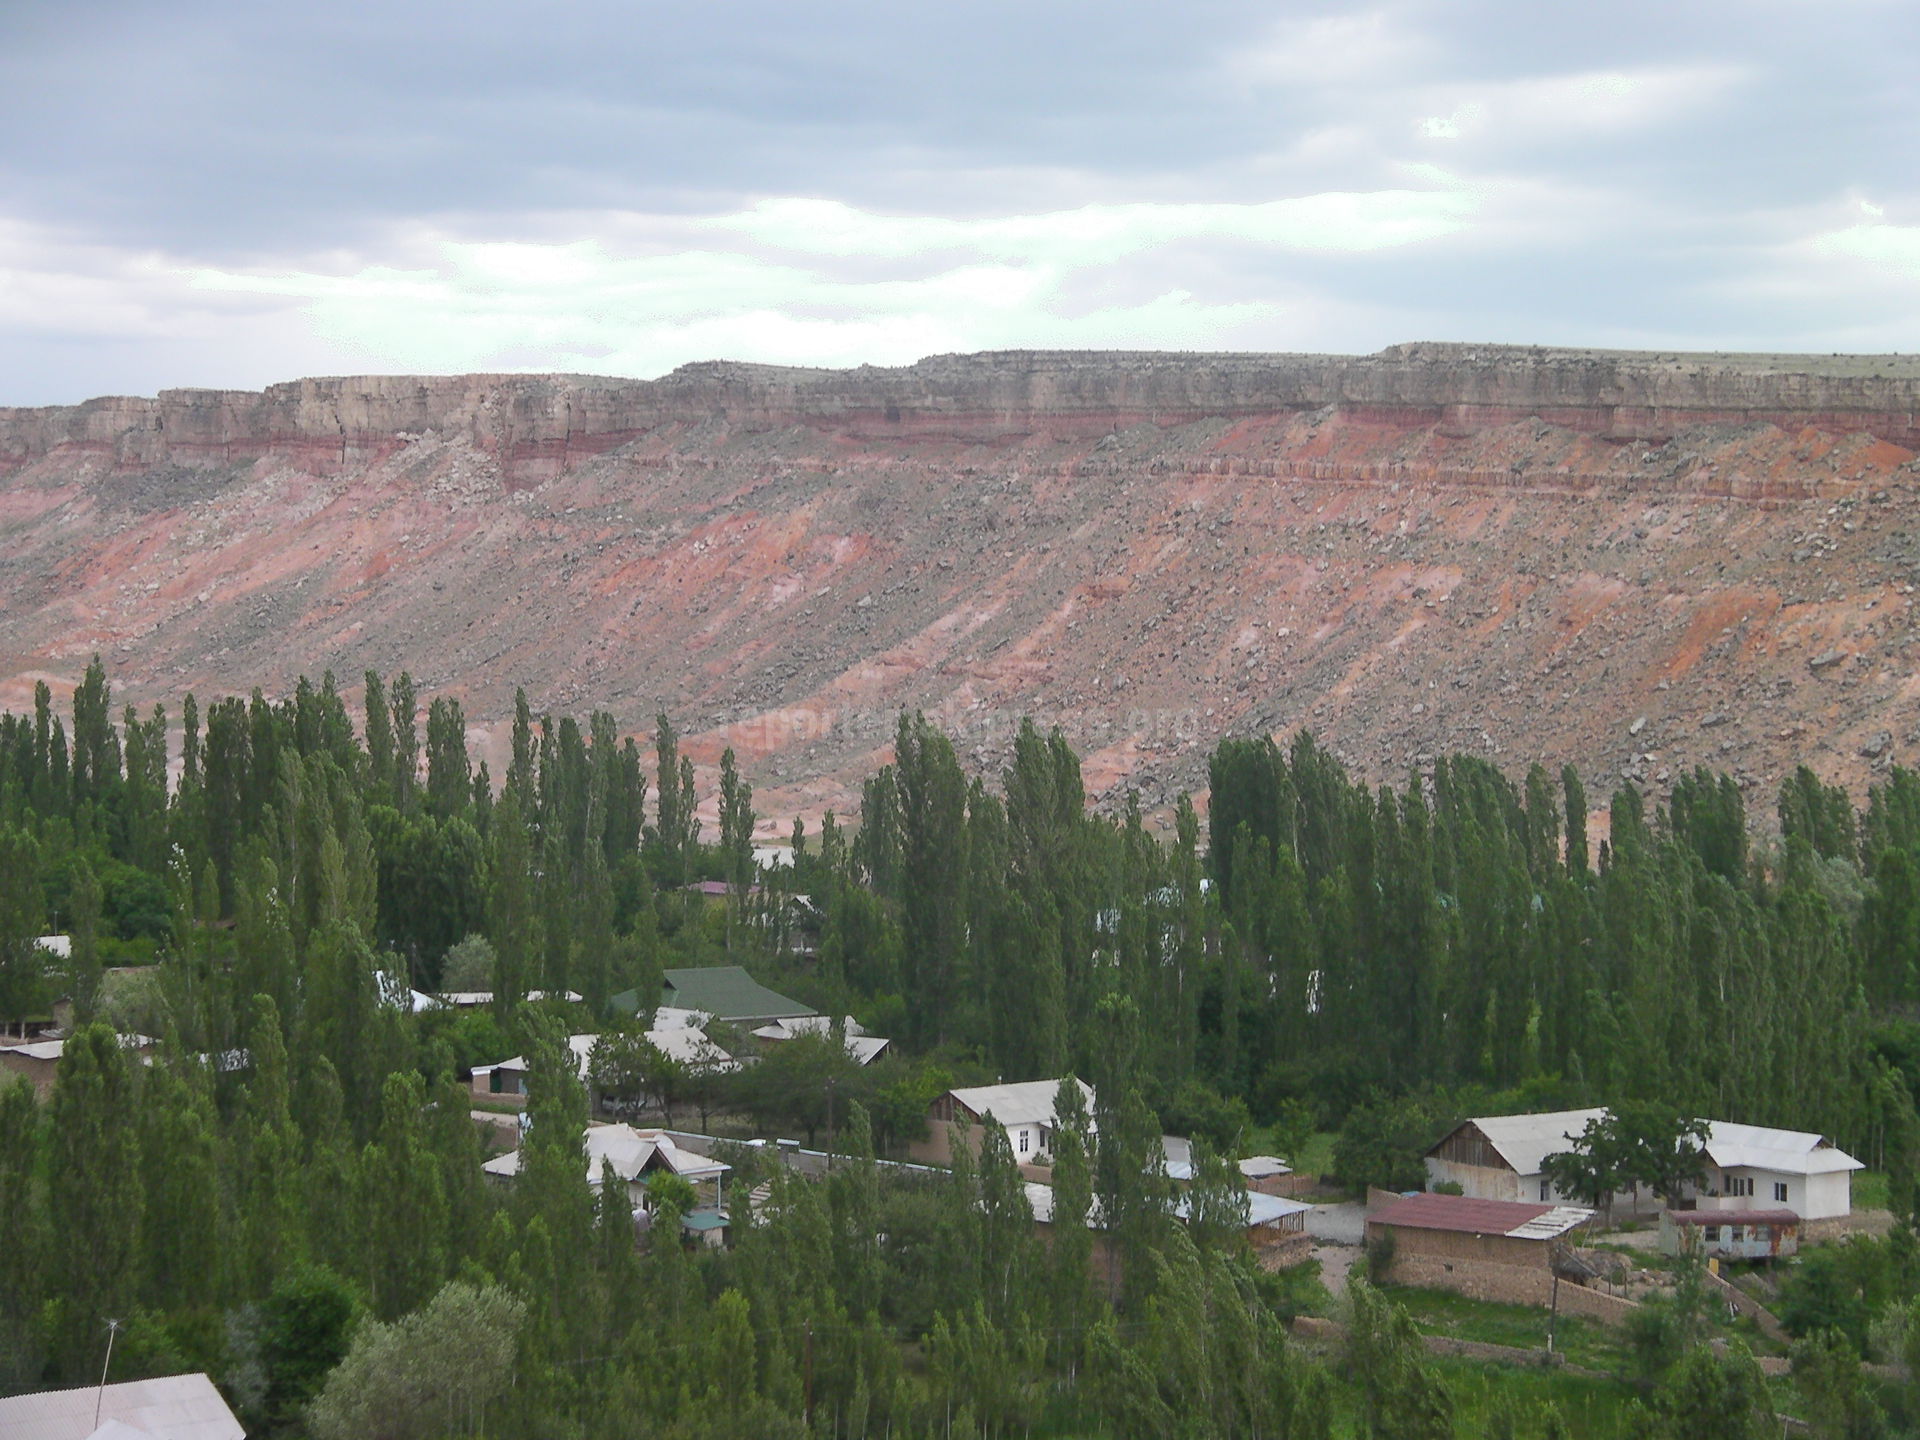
(94, 1186)
(405, 710)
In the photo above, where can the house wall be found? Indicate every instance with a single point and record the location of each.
(1812, 1197)
(1503, 1250)
(1482, 1182)
(944, 1135)
(39, 1073)
(1828, 1196)
(1756, 1242)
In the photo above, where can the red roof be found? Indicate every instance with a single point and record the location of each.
(1733, 1217)
(1457, 1212)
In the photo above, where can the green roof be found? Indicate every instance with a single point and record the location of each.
(726, 992)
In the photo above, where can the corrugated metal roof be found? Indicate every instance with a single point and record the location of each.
(1023, 1104)
(172, 1407)
(1788, 1152)
(629, 1151)
(727, 992)
(1523, 1141)
(1733, 1217)
(1469, 1216)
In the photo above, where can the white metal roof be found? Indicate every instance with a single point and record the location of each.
(628, 1150)
(1787, 1152)
(173, 1407)
(1023, 1104)
(1261, 1209)
(1556, 1222)
(1523, 1141)
(688, 1044)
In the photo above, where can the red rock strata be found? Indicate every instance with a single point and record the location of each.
(1511, 551)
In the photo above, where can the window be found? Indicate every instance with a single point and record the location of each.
(1713, 1234)
(1546, 1186)
(1736, 1233)
(1737, 1184)
(1023, 1142)
(1780, 1191)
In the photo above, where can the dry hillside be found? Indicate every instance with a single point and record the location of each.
(1634, 562)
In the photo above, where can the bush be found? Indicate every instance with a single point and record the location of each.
(1380, 1253)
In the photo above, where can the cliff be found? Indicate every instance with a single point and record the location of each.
(540, 423)
(1523, 552)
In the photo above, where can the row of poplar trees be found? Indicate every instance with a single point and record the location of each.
(301, 1144)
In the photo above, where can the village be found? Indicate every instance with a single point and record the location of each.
(1496, 1222)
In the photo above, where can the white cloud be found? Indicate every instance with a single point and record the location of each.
(788, 280)
(1371, 46)
(1599, 103)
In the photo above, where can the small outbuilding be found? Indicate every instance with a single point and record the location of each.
(1730, 1235)
(1460, 1228)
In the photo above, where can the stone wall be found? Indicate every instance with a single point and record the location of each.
(1508, 1284)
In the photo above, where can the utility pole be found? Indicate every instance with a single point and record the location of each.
(100, 1396)
(1553, 1312)
(809, 1395)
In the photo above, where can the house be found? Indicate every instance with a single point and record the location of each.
(863, 1048)
(1264, 1174)
(39, 1060)
(171, 1407)
(636, 1156)
(1276, 1227)
(688, 1044)
(1501, 1250)
(1024, 1111)
(1498, 1157)
(479, 999)
(1749, 1167)
(1755, 1168)
(1743, 1235)
(723, 992)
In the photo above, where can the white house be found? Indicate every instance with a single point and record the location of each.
(1749, 1167)
(1753, 1167)
(1024, 1111)
(1497, 1157)
(685, 1043)
(862, 1048)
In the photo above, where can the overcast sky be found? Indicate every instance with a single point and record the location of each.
(231, 192)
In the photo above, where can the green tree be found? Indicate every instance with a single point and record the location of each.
(431, 1373)
(94, 1185)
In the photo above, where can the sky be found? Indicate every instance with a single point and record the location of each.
(230, 193)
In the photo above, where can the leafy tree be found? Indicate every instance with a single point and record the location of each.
(468, 965)
(431, 1373)
(1401, 1396)
(309, 1322)
(1826, 1371)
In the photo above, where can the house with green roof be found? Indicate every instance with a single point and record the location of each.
(726, 992)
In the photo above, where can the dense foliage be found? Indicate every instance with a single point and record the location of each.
(290, 1194)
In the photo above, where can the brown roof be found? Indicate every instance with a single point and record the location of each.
(1733, 1217)
(1458, 1212)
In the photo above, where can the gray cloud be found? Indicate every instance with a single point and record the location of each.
(213, 191)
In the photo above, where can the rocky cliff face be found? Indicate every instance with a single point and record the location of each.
(1636, 562)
